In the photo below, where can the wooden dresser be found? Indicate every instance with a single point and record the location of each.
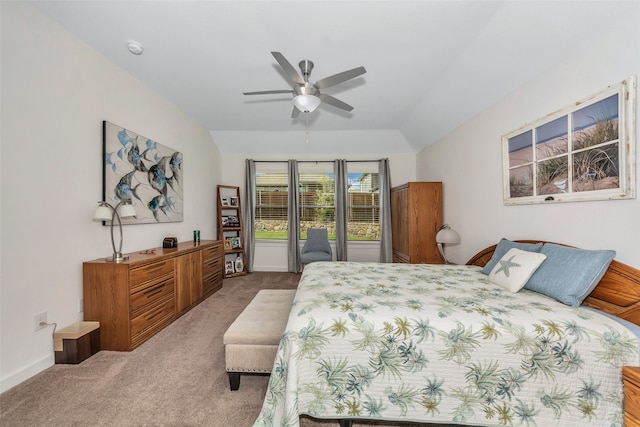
(136, 298)
(631, 377)
(416, 217)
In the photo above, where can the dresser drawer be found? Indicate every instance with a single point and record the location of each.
(214, 251)
(212, 282)
(149, 332)
(211, 265)
(138, 276)
(155, 314)
(151, 293)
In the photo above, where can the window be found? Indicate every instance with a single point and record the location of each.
(317, 197)
(584, 152)
(271, 201)
(363, 202)
(317, 200)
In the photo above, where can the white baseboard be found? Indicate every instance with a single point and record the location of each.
(16, 378)
(270, 268)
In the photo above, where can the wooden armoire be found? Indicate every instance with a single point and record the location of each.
(416, 217)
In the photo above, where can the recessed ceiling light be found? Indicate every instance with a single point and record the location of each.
(135, 47)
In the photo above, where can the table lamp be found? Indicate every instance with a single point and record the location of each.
(107, 212)
(446, 235)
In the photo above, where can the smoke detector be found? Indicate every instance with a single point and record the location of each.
(135, 47)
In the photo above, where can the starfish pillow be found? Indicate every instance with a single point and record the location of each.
(515, 268)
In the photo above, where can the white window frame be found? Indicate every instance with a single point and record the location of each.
(626, 91)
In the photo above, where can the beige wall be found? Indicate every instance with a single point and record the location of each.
(56, 91)
(469, 162)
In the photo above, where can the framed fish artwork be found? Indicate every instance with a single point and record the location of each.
(143, 172)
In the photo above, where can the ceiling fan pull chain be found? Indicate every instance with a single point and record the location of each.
(307, 119)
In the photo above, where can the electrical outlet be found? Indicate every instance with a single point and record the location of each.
(40, 321)
(80, 305)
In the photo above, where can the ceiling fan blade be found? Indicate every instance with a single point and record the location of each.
(340, 77)
(268, 92)
(288, 68)
(335, 102)
(295, 112)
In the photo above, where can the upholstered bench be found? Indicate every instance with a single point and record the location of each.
(251, 342)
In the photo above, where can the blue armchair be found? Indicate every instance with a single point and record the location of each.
(317, 247)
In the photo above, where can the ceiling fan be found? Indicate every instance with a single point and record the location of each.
(307, 96)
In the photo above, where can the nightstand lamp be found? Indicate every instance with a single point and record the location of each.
(106, 212)
(448, 236)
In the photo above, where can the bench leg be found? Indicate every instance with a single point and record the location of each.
(234, 380)
(345, 423)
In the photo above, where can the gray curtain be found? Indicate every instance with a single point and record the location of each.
(249, 213)
(294, 218)
(386, 251)
(340, 171)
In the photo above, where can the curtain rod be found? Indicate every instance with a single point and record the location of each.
(314, 161)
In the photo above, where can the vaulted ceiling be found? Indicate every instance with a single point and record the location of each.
(431, 65)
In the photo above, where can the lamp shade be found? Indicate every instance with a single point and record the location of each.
(102, 213)
(447, 235)
(306, 103)
(126, 210)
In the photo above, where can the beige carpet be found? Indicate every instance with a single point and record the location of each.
(177, 378)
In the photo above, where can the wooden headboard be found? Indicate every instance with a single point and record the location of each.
(618, 292)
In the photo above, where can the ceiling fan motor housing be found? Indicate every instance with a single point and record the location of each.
(306, 89)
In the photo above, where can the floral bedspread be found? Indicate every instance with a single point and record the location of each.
(438, 343)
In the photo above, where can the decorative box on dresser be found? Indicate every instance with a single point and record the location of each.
(136, 298)
(416, 217)
(631, 377)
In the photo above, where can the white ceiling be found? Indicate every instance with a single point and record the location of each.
(431, 65)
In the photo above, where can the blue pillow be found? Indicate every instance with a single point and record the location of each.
(503, 247)
(569, 274)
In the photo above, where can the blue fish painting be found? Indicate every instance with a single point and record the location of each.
(176, 166)
(144, 172)
(124, 189)
(135, 158)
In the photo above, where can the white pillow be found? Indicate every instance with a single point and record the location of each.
(515, 268)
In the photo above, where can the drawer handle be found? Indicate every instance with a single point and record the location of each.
(152, 269)
(152, 315)
(155, 290)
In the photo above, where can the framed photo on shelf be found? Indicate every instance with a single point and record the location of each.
(233, 201)
(235, 243)
(233, 221)
(229, 267)
(225, 221)
(224, 201)
(227, 244)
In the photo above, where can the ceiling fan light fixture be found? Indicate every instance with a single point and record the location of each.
(306, 103)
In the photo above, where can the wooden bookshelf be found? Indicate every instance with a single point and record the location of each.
(231, 230)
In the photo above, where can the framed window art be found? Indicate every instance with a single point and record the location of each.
(580, 153)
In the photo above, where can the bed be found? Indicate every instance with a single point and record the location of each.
(444, 344)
